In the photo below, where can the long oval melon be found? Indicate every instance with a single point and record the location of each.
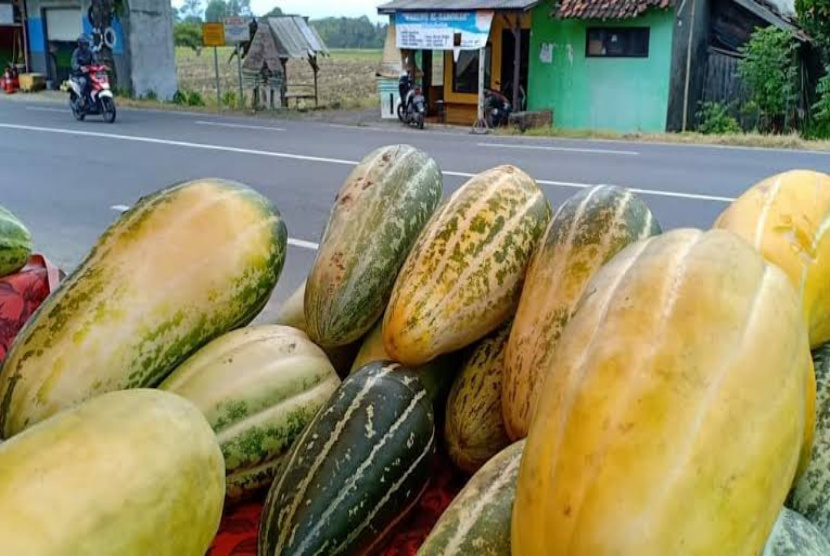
(183, 266)
(15, 243)
(357, 469)
(587, 231)
(794, 535)
(786, 217)
(292, 314)
(379, 212)
(436, 376)
(673, 417)
(474, 429)
(258, 387)
(463, 278)
(128, 473)
(478, 520)
(811, 496)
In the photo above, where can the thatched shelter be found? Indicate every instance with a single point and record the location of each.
(279, 39)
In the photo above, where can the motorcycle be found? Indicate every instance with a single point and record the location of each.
(100, 101)
(413, 106)
(497, 108)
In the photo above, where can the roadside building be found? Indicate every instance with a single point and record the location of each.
(442, 40)
(134, 37)
(617, 65)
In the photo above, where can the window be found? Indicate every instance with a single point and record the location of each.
(465, 71)
(628, 42)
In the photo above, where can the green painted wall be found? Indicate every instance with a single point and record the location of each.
(618, 94)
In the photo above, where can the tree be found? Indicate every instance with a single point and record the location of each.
(344, 32)
(189, 34)
(191, 11)
(770, 70)
(276, 12)
(237, 8)
(814, 17)
(216, 11)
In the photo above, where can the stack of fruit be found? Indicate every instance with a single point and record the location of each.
(610, 388)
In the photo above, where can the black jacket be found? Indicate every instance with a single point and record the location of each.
(82, 58)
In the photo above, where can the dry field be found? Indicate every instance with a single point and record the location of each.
(347, 78)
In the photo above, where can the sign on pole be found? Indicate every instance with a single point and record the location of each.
(237, 29)
(443, 30)
(213, 34)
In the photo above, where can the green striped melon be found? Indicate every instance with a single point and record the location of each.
(478, 520)
(379, 212)
(292, 314)
(129, 473)
(15, 243)
(588, 230)
(258, 387)
(811, 496)
(436, 376)
(182, 267)
(356, 470)
(794, 535)
(474, 429)
(463, 278)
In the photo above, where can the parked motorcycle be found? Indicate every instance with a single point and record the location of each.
(497, 108)
(413, 106)
(100, 101)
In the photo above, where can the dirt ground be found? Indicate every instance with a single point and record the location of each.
(347, 77)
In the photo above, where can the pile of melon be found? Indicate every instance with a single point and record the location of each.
(610, 389)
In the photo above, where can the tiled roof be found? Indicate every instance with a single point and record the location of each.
(607, 9)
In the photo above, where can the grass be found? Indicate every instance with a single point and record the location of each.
(756, 140)
(346, 78)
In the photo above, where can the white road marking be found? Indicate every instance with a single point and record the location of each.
(521, 146)
(338, 161)
(302, 244)
(120, 208)
(45, 109)
(241, 126)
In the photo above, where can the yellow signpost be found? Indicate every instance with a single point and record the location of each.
(213, 34)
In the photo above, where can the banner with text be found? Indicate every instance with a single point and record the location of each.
(443, 30)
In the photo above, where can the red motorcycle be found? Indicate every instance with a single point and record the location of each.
(100, 101)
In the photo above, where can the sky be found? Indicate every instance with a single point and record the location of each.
(322, 8)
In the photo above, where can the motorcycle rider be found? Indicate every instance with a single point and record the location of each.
(82, 58)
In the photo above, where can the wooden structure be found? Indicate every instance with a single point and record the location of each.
(278, 40)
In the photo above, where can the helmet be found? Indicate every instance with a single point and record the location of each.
(83, 40)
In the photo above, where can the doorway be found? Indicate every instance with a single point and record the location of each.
(508, 65)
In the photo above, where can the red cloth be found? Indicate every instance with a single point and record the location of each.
(240, 526)
(20, 296)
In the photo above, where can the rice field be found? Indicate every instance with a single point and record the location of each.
(347, 77)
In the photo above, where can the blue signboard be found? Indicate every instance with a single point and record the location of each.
(443, 30)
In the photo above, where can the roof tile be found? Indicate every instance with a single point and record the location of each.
(607, 9)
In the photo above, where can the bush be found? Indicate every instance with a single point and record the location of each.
(151, 96)
(189, 34)
(229, 99)
(770, 70)
(714, 119)
(195, 99)
(188, 98)
(180, 98)
(820, 126)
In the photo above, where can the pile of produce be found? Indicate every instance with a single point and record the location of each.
(604, 387)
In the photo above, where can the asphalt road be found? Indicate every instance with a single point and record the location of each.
(68, 180)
